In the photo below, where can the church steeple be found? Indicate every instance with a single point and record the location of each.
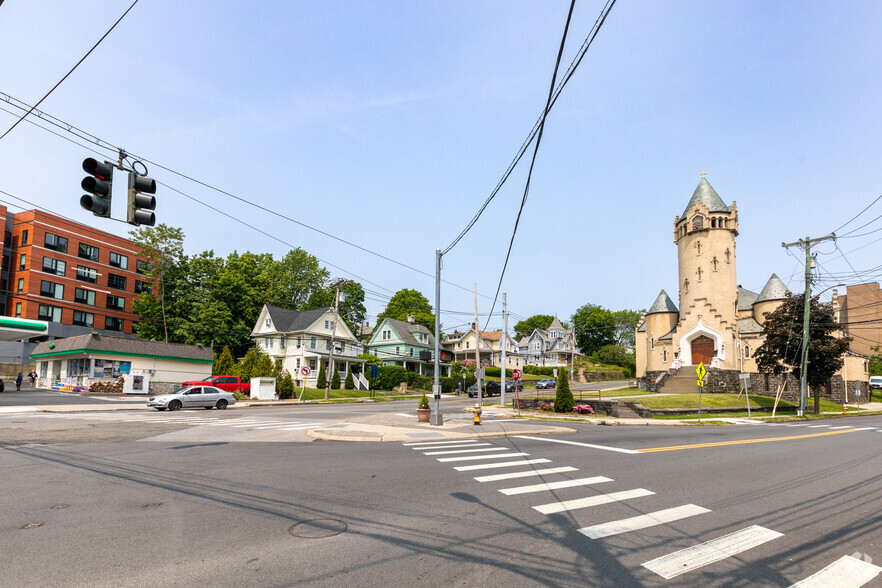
(706, 194)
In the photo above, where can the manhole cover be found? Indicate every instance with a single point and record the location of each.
(32, 525)
(318, 528)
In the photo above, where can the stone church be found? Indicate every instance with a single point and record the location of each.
(715, 321)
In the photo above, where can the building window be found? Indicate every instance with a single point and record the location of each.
(327, 344)
(312, 364)
(269, 342)
(116, 282)
(411, 351)
(83, 296)
(5, 263)
(51, 290)
(298, 364)
(297, 343)
(20, 289)
(665, 355)
(282, 344)
(387, 335)
(111, 323)
(22, 261)
(747, 351)
(54, 266)
(342, 346)
(116, 302)
(398, 351)
(18, 309)
(24, 237)
(142, 287)
(55, 243)
(49, 313)
(312, 342)
(142, 267)
(87, 274)
(119, 260)
(79, 367)
(467, 344)
(89, 252)
(83, 319)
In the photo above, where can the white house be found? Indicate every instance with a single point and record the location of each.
(302, 338)
(554, 346)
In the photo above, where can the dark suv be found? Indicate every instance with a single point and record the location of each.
(490, 388)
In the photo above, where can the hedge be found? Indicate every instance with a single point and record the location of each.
(537, 370)
(389, 376)
(495, 372)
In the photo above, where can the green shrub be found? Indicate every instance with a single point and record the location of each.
(349, 384)
(335, 380)
(496, 372)
(448, 385)
(563, 399)
(285, 385)
(322, 379)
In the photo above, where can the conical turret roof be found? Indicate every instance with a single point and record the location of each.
(774, 289)
(662, 304)
(705, 194)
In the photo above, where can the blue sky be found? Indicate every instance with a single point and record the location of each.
(389, 123)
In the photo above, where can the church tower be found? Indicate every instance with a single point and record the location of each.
(705, 237)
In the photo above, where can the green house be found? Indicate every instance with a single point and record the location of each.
(405, 343)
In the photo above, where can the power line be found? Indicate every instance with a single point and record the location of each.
(46, 95)
(860, 213)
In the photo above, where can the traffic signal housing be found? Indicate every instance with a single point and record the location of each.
(446, 356)
(98, 183)
(141, 200)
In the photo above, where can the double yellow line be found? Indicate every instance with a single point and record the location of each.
(741, 442)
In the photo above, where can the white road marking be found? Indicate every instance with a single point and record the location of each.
(845, 572)
(866, 429)
(592, 501)
(817, 426)
(554, 485)
(422, 443)
(474, 457)
(451, 446)
(256, 424)
(643, 521)
(617, 449)
(302, 427)
(528, 474)
(405, 414)
(845, 427)
(691, 558)
(452, 451)
(505, 464)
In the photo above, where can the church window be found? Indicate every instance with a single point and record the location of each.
(698, 247)
(747, 352)
(697, 222)
(665, 355)
(652, 342)
(714, 223)
(728, 253)
(686, 285)
(699, 274)
(714, 263)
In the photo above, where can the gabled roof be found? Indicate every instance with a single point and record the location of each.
(746, 298)
(663, 303)
(555, 326)
(705, 194)
(774, 289)
(669, 335)
(123, 346)
(749, 325)
(286, 320)
(405, 330)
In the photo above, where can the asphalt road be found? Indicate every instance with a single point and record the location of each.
(228, 498)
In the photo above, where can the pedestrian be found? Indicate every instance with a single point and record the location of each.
(33, 377)
(18, 380)
(2, 386)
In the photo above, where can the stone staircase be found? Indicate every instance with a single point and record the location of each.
(683, 382)
(623, 411)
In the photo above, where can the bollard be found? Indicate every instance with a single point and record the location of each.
(477, 420)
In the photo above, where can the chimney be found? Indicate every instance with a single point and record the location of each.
(411, 319)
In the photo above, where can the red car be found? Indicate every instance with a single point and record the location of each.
(227, 383)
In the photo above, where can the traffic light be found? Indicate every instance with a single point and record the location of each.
(98, 182)
(141, 201)
(446, 356)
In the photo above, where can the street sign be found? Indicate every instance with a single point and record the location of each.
(701, 371)
(743, 376)
(701, 383)
(516, 374)
(305, 370)
(479, 373)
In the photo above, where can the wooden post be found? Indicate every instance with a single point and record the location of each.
(778, 395)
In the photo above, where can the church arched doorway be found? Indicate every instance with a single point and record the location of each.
(702, 350)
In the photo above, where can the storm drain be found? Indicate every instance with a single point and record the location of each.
(318, 528)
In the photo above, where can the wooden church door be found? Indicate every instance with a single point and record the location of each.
(702, 350)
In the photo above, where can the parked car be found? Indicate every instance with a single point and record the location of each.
(875, 382)
(510, 386)
(228, 383)
(490, 388)
(193, 397)
(546, 383)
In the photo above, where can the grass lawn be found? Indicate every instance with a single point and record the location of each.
(379, 395)
(727, 400)
(877, 395)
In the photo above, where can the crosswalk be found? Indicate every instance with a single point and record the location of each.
(847, 572)
(248, 423)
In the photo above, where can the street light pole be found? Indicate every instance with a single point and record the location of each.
(436, 418)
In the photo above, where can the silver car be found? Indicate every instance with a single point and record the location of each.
(192, 397)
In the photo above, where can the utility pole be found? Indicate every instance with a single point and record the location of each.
(336, 285)
(478, 353)
(436, 418)
(803, 366)
(504, 345)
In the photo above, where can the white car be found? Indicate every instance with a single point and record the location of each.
(192, 397)
(875, 382)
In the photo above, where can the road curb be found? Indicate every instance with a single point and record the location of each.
(395, 436)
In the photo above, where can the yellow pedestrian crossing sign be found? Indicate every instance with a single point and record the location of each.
(701, 371)
(700, 383)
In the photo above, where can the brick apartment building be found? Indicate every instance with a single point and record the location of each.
(76, 278)
(861, 311)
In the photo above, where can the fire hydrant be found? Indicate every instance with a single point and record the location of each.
(477, 420)
(844, 409)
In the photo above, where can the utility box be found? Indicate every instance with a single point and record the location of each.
(263, 388)
(136, 383)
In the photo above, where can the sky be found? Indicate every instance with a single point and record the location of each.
(388, 124)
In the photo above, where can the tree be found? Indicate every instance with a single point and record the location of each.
(618, 355)
(595, 327)
(224, 363)
(563, 399)
(352, 309)
(285, 385)
(335, 380)
(781, 352)
(349, 384)
(406, 302)
(876, 362)
(322, 380)
(537, 321)
(291, 281)
(163, 247)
